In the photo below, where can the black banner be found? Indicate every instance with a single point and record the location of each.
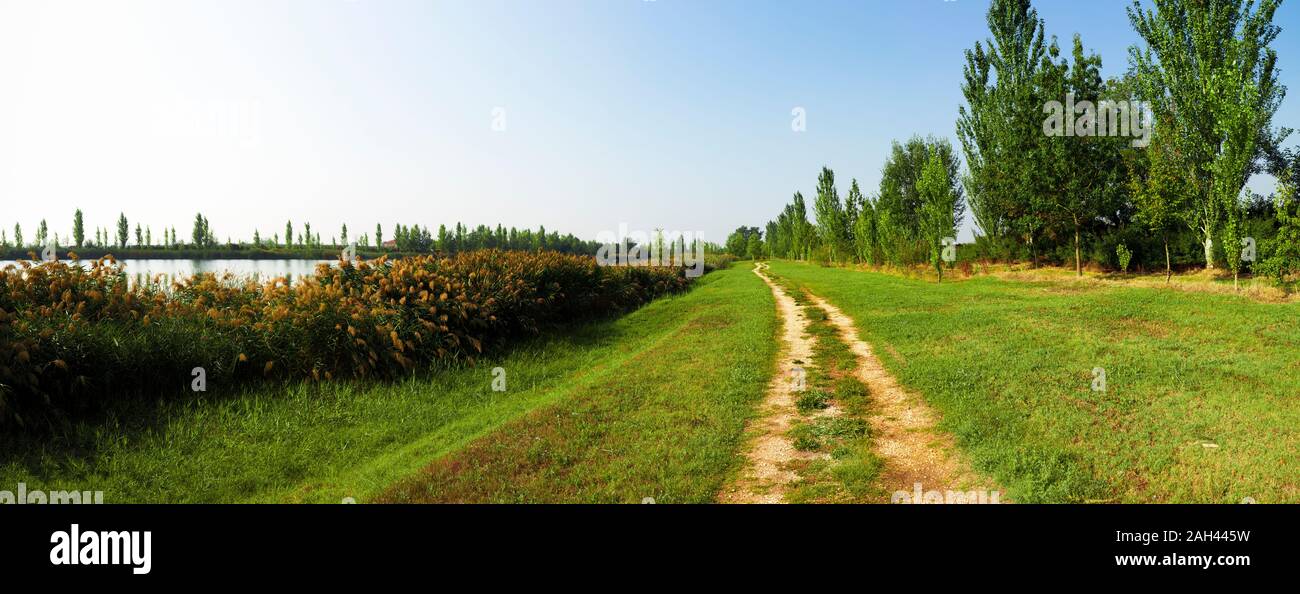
(231, 542)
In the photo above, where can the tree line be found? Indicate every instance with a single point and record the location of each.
(301, 238)
(1063, 166)
(919, 205)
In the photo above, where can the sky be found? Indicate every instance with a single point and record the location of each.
(579, 116)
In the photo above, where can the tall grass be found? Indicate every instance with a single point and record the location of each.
(73, 339)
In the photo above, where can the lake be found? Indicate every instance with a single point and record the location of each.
(177, 269)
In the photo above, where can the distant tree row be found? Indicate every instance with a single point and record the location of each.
(461, 238)
(907, 221)
(406, 238)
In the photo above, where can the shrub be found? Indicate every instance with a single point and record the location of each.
(1121, 252)
(821, 255)
(718, 261)
(1283, 248)
(72, 338)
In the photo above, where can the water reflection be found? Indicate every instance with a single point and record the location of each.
(163, 272)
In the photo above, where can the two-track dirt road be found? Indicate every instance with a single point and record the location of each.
(904, 426)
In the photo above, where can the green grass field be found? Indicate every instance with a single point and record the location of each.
(1200, 405)
(657, 398)
(667, 424)
(1201, 390)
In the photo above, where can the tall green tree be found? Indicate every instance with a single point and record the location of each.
(939, 200)
(832, 226)
(771, 232)
(864, 234)
(1081, 174)
(1233, 233)
(853, 204)
(1000, 125)
(1283, 249)
(123, 230)
(78, 229)
(199, 235)
(804, 234)
(754, 249)
(1159, 188)
(1207, 68)
(898, 202)
(785, 228)
(739, 240)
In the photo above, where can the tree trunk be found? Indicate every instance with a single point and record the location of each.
(1209, 250)
(1078, 263)
(1033, 256)
(1169, 273)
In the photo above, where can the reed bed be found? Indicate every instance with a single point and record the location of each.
(74, 338)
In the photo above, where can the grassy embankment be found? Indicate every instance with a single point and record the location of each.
(666, 424)
(652, 404)
(1201, 390)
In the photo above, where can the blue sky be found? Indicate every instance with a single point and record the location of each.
(659, 114)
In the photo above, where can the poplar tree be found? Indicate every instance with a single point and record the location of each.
(199, 233)
(803, 233)
(1208, 70)
(1000, 125)
(831, 224)
(864, 234)
(123, 230)
(938, 201)
(78, 229)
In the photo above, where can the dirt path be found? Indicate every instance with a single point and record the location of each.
(767, 474)
(915, 452)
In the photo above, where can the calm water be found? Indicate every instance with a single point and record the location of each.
(263, 269)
